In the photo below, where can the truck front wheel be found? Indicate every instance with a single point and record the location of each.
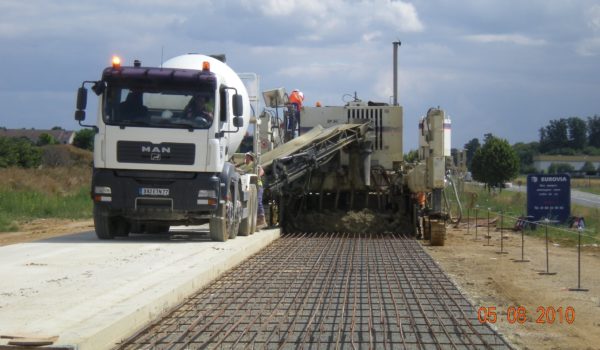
(226, 221)
(107, 226)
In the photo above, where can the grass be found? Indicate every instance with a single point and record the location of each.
(514, 204)
(27, 194)
(586, 185)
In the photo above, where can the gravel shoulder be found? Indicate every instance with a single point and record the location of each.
(39, 229)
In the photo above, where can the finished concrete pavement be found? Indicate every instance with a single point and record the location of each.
(92, 294)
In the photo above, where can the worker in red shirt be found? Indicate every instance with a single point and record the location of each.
(295, 99)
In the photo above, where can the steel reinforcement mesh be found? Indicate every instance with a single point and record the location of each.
(329, 291)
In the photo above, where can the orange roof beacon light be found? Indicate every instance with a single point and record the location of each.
(206, 66)
(116, 62)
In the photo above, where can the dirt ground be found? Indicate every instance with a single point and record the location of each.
(45, 228)
(489, 280)
(496, 280)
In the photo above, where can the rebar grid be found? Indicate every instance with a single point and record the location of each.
(330, 291)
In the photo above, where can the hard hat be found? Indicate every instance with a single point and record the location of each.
(250, 154)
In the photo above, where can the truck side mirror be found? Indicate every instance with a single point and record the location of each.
(238, 122)
(81, 104)
(238, 105)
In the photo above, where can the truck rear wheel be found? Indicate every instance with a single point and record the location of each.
(106, 226)
(235, 218)
(246, 227)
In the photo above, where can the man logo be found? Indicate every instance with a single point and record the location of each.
(156, 149)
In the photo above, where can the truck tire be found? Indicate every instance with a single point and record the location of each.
(236, 216)
(220, 223)
(438, 233)
(105, 225)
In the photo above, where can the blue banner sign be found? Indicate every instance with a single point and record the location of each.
(549, 196)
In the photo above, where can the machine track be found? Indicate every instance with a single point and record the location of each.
(330, 291)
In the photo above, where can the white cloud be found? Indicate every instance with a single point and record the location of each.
(371, 36)
(326, 18)
(593, 17)
(321, 70)
(517, 39)
(589, 47)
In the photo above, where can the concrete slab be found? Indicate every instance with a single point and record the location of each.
(92, 294)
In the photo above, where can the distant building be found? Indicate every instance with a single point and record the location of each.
(64, 137)
(542, 162)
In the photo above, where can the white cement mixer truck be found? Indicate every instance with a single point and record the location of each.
(162, 149)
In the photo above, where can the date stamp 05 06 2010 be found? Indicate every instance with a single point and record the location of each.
(518, 314)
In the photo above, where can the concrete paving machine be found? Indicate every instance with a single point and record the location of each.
(346, 173)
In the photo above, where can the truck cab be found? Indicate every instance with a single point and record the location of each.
(164, 136)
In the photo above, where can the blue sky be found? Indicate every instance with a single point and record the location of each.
(500, 66)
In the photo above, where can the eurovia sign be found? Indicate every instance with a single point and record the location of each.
(549, 196)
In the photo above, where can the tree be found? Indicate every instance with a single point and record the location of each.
(495, 163)
(588, 168)
(559, 168)
(57, 128)
(594, 131)
(554, 135)
(577, 133)
(84, 139)
(412, 156)
(46, 139)
(19, 152)
(471, 147)
(526, 152)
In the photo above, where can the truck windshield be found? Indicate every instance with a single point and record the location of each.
(126, 106)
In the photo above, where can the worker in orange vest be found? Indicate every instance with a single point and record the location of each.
(295, 99)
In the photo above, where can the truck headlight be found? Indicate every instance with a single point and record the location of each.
(102, 190)
(207, 194)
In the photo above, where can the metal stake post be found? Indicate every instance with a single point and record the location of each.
(476, 215)
(522, 260)
(579, 289)
(501, 234)
(488, 228)
(468, 221)
(547, 260)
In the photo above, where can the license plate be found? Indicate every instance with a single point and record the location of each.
(154, 191)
